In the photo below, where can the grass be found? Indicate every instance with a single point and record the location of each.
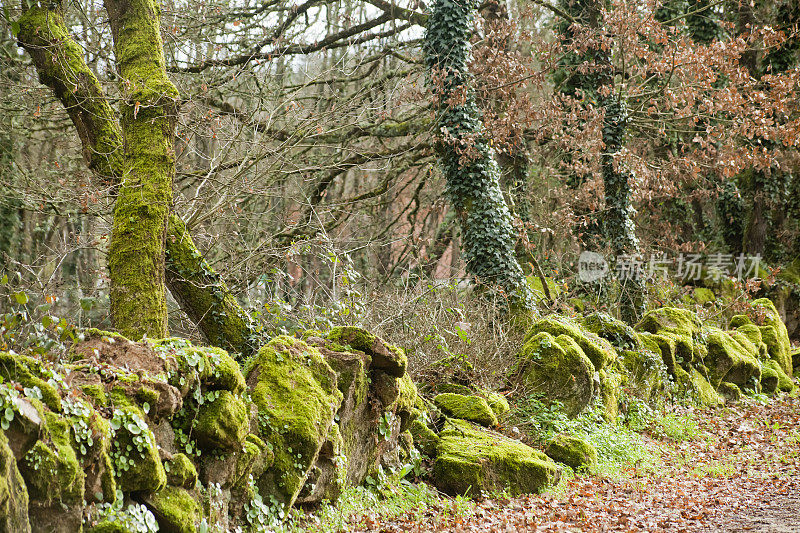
(361, 506)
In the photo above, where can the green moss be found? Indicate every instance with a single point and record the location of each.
(618, 333)
(610, 383)
(51, 469)
(385, 356)
(297, 397)
(175, 510)
(774, 333)
(795, 357)
(224, 372)
(753, 334)
(535, 284)
(222, 423)
(97, 393)
(107, 526)
(730, 391)
(30, 372)
(471, 461)
(703, 296)
(728, 361)
(454, 388)
(777, 378)
(599, 351)
(203, 294)
(147, 395)
(409, 403)
(498, 403)
(472, 408)
(696, 386)
(13, 493)
(181, 472)
(134, 452)
(572, 451)
(648, 342)
(424, 439)
(737, 321)
(745, 342)
(61, 66)
(557, 369)
(671, 320)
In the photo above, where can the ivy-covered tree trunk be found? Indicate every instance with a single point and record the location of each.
(61, 66)
(595, 86)
(472, 174)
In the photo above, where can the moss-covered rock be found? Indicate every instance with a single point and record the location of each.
(498, 403)
(107, 526)
(472, 408)
(730, 391)
(385, 356)
(598, 350)
(13, 493)
(409, 402)
(134, 452)
(610, 387)
(796, 358)
(680, 326)
(223, 372)
(556, 368)
(222, 423)
(175, 510)
(181, 471)
(774, 334)
(30, 372)
(297, 397)
(646, 372)
(425, 439)
(738, 321)
(471, 461)
(703, 296)
(51, 469)
(574, 452)
(773, 378)
(696, 387)
(728, 361)
(618, 333)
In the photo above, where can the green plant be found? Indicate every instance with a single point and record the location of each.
(134, 517)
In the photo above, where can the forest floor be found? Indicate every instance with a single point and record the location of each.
(739, 472)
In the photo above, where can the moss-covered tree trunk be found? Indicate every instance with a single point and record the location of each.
(203, 295)
(149, 111)
(61, 66)
(467, 162)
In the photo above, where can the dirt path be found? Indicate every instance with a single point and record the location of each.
(742, 474)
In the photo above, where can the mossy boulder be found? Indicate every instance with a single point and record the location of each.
(471, 408)
(598, 350)
(175, 510)
(773, 378)
(471, 461)
(425, 439)
(753, 334)
(30, 372)
(223, 372)
(107, 526)
(297, 397)
(409, 402)
(680, 327)
(556, 368)
(222, 423)
(134, 452)
(693, 385)
(574, 452)
(703, 296)
(729, 361)
(610, 388)
(645, 371)
(181, 471)
(618, 333)
(498, 403)
(13, 493)
(796, 358)
(774, 333)
(385, 356)
(730, 392)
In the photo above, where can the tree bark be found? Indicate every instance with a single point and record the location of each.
(61, 66)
